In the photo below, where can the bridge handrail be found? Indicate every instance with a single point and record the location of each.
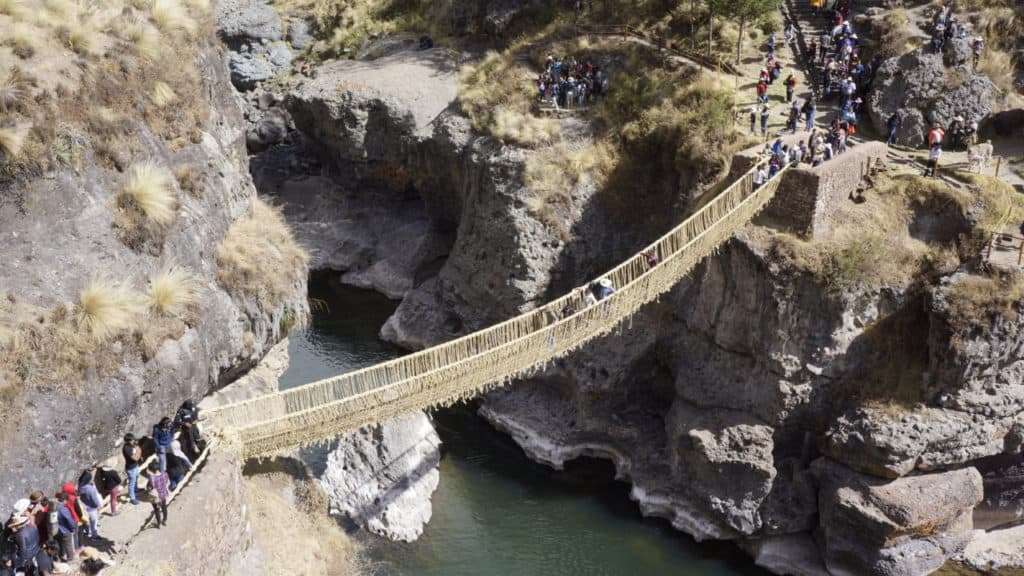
(472, 345)
(468, 376)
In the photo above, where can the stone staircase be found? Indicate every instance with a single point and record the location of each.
(810, 24)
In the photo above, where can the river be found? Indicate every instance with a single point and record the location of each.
(496, 513)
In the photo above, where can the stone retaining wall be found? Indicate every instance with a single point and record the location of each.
(808, 198)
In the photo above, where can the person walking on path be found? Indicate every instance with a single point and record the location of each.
(132, 460)
(933, 162)
(28, 553)
(936, 135)
(92, 501)
(810, 110)
(159, 487)
(163, 435)
(762, 92)
(791, 83)
(765, 113)
(893, 124)
(753, 119)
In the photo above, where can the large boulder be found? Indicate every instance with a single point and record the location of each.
(905, 527)
(244, 21)
(894, 441)
(381, 477)
(726, 457)
(926, 90)
(248, 70)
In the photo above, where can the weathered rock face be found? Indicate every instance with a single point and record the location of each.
(58, 433)
(382, 477)
(925, 90)
(906, 527)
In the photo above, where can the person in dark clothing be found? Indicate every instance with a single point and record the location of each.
(893, 124)
(132, 459)
(66, 528)
(108, 481)
(28, 549)
(187, 421)
(176, 470)
(163, 435)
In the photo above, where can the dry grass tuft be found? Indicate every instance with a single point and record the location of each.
(107, 309)
(12, 89)
(172, 16)
(260, 258)
(149, 190)
(81, 35)
(144, 39)
(25, 39)
(172, 291)
(12, 141)
(13, 8)
(162, 94)
(897, 36)
(190, 180)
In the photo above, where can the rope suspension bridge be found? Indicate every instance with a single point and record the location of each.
(492, 357)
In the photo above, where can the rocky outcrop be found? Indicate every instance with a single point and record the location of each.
(382, 477)
(906, 527)
(925, 90)
(50, 433)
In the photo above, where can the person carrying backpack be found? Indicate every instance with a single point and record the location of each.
(159, 488)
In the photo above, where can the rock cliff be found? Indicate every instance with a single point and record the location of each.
(59, 234)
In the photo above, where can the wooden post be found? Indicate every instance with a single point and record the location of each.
(991, 241)
(999, 164)
(1020, 253)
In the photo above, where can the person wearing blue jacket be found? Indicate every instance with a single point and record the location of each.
(66, 527)
(163, 435)
(27, 545)
(90, 498)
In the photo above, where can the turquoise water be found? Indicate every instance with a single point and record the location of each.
(496, 513)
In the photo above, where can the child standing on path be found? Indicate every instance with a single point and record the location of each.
(159, 487)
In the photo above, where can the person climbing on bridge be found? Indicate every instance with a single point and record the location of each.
(158, 485)
(163, 435)
(791, 83)
(587, 297)
(650, 259)
(132, 460)
(603, 288)
(760, 177)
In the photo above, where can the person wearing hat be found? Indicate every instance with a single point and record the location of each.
(605, 288)
(132, 460)
(27, 547)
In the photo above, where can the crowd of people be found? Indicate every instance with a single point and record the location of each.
(43, 534)
(571, 83)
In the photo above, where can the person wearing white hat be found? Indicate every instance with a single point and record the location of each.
(605, 288)
(27, 546)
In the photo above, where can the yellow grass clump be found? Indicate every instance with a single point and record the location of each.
(12, 140)
(11, 88)
(172, 291)
(25, 38)
(172, 16)
(144, 39)
(976, 300)
(149, 190)
(162, 94)
(259, 257)
(107, 309)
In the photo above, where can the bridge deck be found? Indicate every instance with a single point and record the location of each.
(469, 365)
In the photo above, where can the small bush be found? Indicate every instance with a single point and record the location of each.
(107, 309)
(12, 141)
(897, 37)
(190, 180)
(82, 35)
(149, 191)
(260, 258)
(172, 291)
